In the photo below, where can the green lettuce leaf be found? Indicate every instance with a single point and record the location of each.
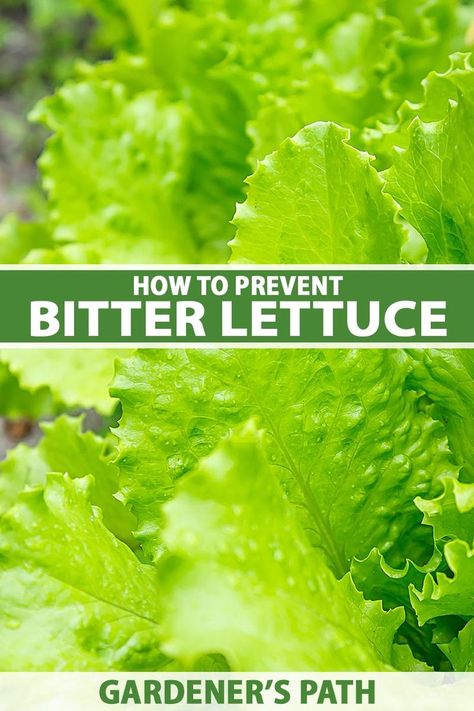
(187, 60)
(18, 239)
(186, 155)
(123, 24)
(343, 83)
(58, 370)
(447, 376)
(451, 515)
(432, 589)
(84, 175)
(430, 32)
(431, 179)
(64, 447)
(448, 591)
(438, 591)
(460, 651)
(317, 200)
(378, 580)
(241, 578)
(363, 66)
(404, 660)
(17, 402)
(439, 89)
(448, 595)
(82, 604)
(348, 440)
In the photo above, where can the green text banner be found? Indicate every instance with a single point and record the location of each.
(238, 306)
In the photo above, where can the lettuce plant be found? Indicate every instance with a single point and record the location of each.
(254, 510)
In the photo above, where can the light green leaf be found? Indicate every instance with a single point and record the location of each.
(23, 466)
(452, 514)
(72, 596)
(445, 629)
(363, 67)
(448, 595)
(187, 55)
(17, 239)
(439, 89)
(123, 23)
(65, 448)
(377, 580)
(197, 161)
(347, 440)
(241, 578)
(447, 376)
(403, 660)
(76, 378)
(322, 15)
(316, 200)
(119, 198)
(430, 31)
(17, 402)
(460, 651)
(342, 83)
(431, 180)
